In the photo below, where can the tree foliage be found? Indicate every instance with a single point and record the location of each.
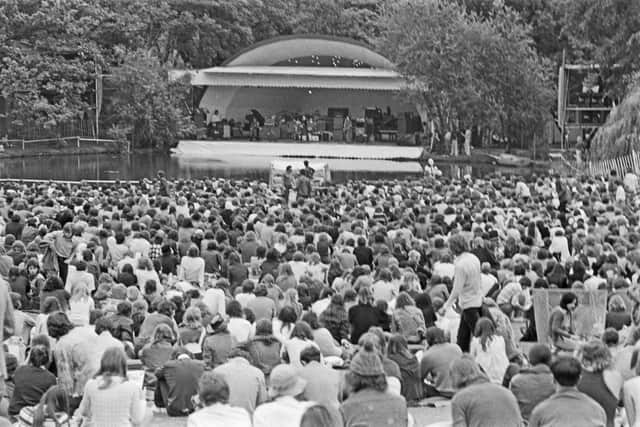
(485, 61)
(605, 32)
(467, 69)
(146, 105)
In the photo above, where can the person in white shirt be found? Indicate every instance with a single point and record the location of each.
(215, 298)
(105, 329)
(238, 326)
(489, 350)
(444, 267)
(298, 265)
(515, 296)
(560, 245)
(285, 410)
(621, 195)
(247, 294)
(631, 182)
(146, 272)
(192, 267)
(213, 393)
(79, 274)
(522, 190)
(383, 289)
(139, 245)
(80, 304)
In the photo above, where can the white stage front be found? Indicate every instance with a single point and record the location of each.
(214, 149)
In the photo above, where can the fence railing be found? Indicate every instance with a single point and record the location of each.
(32, 130)
(52, 144)
(622, 165)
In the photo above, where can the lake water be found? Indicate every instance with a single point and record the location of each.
(141, 165)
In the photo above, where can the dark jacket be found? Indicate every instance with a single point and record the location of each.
(177, 384)
(531, 386)
(216, 348)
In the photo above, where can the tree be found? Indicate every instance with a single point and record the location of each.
(47, 64)
(148, 107)
(605, 32)
(466, 69)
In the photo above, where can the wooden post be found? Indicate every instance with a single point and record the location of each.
(23, 144)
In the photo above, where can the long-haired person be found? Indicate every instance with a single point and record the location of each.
(111, 399)
(52, 410)
(489, 351)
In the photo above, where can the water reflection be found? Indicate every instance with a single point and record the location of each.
(140, 165)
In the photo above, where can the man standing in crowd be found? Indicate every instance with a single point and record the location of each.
(467, 281)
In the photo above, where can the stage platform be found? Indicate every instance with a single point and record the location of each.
(328, 150)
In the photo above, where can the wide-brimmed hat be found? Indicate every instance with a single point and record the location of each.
(285, 381)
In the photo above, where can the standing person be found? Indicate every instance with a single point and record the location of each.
(308, 170)
(568, 406)
(288, 181)
(347, 129)
(466, 290)
(62, 244)
(111, 399)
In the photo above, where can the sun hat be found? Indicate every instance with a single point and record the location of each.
(367, 361)
(285, 381)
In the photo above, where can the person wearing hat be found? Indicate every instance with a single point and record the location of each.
(218, 343)
(369, 402)
(284, 410)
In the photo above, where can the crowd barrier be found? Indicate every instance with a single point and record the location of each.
(622, 165)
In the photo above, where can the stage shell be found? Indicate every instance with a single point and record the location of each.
(267, 77)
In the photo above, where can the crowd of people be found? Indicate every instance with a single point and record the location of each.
(231, 302)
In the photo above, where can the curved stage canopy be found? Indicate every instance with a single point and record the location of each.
(281, 49)
(302, 74)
